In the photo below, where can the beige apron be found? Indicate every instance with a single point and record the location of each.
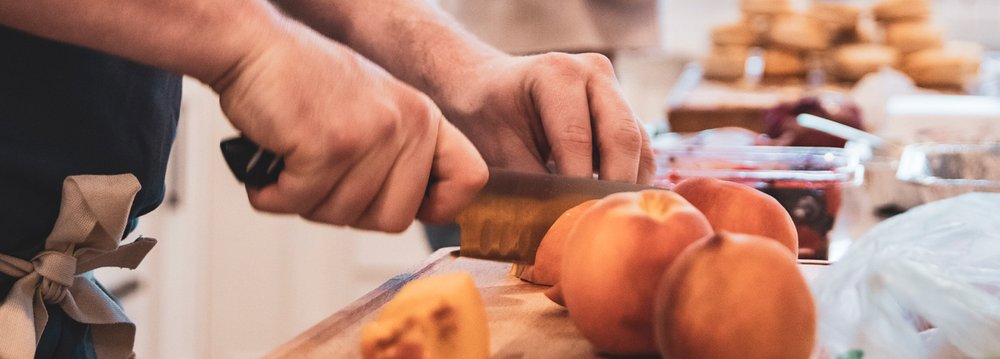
(86, 236)
(534, 26)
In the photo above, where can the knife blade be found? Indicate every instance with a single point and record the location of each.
(506, 221)
(509, 217)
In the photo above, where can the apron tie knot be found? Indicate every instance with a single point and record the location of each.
(86, 236)
(57, 270)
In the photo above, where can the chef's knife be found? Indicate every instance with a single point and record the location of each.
(507, 219)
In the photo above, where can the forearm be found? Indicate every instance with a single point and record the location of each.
(202, 38)
(520, 112)
(413, 39)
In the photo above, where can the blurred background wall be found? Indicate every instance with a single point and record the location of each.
(228, 282)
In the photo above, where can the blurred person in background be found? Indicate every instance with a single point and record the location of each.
(526, 27)
(364, 99)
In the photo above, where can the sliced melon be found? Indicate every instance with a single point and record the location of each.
(440, 317)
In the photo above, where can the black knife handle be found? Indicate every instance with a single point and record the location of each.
(250, 163)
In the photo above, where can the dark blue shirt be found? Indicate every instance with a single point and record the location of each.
(67, 110)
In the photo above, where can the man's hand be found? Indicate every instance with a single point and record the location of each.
(522, 112)
(359, 146)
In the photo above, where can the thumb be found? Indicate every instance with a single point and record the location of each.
(458, 172)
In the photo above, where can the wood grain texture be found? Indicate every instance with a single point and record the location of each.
(523, 323)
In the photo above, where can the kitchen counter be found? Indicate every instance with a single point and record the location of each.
(523, 322)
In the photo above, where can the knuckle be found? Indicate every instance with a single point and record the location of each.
(562, 64)
(576, 134)
(628, 135)
(387, 127)
(329, 140)
(397, 225)
(475, 177)
(434, 215)
(577, 140)
(382, 224)
(420, 113)
(304, 109)
(322, 215)
(480, 175)
(386, 124)
(430, 115)
(274, 204)
(339, 144)
(260, 205)
(647, 160)
(598, 61)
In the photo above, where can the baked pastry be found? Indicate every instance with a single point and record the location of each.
(851, 62)
(950, 67)
(714, 105)
(852, 36)
(725, 63)
(896, 10)
(760, 25)
(782, 63)
(799, 32)
(836, 17)
(735, 34)
(911, 36)
(766, 7)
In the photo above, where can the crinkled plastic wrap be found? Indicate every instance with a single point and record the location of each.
(924, 284)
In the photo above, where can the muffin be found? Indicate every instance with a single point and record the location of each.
(783, 63)
(856, 35)
(725, 63)
(951, 67)
(797, 32)
(766, 7)
(896, 10)
(851, 62)
(735, 34)
(911, 36)
(836, 17)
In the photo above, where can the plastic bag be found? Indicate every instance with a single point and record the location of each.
(923, 284)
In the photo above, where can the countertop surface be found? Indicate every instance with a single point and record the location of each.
(523, 322)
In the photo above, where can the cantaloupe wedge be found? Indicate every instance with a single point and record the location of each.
(439, 317)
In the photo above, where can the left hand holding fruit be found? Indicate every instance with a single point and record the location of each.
(521, 112)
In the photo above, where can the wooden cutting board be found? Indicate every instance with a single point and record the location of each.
(523, 322)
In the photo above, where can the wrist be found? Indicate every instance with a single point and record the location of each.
(281, 39)
(459, 86)
(419, 44)
(246, 38)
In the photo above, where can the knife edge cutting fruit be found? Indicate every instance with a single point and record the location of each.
(643, 273)
(505, 221)
(599, 236)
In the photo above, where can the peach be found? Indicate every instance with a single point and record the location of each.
(735, 296)
(738, 208)
(555, 294)
(548, 258)
(613, 260)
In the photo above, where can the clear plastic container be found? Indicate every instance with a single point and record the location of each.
(946, 170)
(807, 181)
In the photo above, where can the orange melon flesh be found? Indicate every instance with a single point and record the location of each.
(440, 317)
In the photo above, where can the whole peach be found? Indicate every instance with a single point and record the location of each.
(548, 258)
(615, 257)
(738, 208)
(735, 296)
